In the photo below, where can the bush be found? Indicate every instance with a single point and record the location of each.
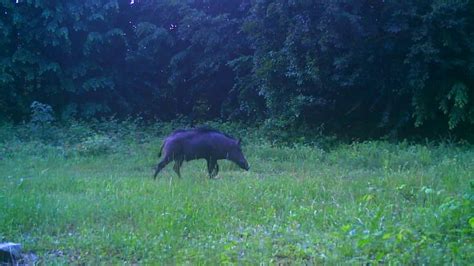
(74, 132)
(41, 121)
(7, 132)
(96, 145)
(41, 114)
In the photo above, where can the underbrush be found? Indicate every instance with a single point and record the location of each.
(83, 193)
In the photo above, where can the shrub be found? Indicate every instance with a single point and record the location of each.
(95, 145)
(7, 132)
(41, 114)
(41, 121)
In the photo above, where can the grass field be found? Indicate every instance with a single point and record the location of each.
(373, 202)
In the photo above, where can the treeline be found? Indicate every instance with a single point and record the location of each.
(361, 68)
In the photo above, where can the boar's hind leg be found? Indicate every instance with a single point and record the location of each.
(216, 169)
(162, 165)
(212, 168)
(177, 166)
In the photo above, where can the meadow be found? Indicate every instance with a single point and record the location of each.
(86, 195)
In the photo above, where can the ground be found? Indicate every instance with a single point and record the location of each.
(369, 202)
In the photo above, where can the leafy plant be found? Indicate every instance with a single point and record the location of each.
(362, 70)
(41, 114)
(95, 145)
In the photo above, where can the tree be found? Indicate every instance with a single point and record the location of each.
(361, 68)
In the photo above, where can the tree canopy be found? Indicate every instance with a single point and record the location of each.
(362, 68)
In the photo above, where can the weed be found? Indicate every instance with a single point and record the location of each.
(372, 202)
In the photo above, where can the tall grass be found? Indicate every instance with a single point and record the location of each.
(371, 202)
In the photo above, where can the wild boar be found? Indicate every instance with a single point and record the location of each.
(200, 143)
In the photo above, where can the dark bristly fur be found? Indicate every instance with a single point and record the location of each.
(200, 143)
(203, 129)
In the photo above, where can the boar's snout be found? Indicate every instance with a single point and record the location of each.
(244, 165)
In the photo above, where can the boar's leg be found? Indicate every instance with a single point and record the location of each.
(216, 169)
(162, 165)
(177, 166)
(212, 168)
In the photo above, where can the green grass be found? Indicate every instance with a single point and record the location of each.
(365, 202)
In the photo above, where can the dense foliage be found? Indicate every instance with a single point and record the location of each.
(362, 68)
